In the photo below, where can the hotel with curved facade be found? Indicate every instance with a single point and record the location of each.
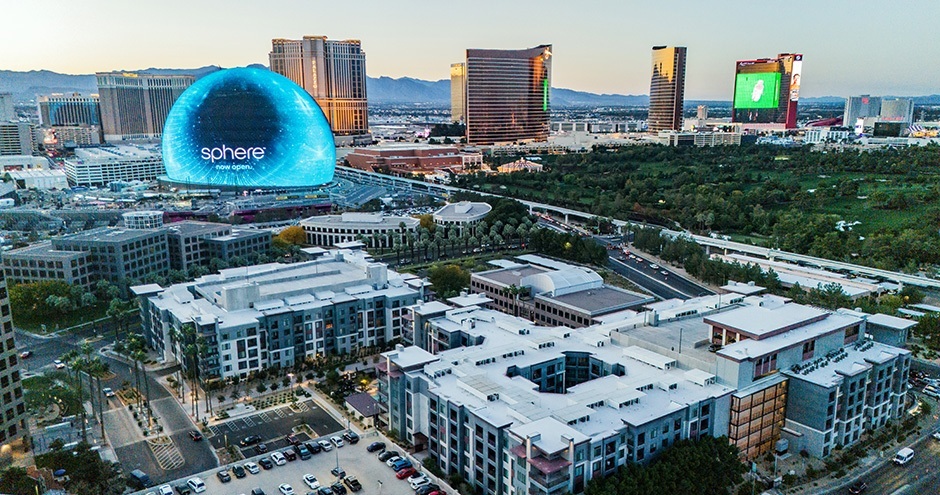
(508, 95)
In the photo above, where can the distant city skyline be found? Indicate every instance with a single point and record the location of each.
(860, 47)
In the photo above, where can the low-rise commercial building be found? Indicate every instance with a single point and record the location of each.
(39, 179)
(239, 243)
(101, 166)
(552, 292)
(373, 229)
(275, 315)
(120, 255)
(42, 262)
(461, 215)
(408, 159)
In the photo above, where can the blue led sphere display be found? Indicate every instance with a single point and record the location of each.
(248, 128)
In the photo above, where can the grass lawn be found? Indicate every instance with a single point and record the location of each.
(77, 317)
(52, 387)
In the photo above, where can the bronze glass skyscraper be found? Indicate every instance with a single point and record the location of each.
(667, 88)
(458, 92)
(135, 106)
(333, 72)
(508, 95)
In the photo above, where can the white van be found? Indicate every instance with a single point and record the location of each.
(196, 485)
(903, 456)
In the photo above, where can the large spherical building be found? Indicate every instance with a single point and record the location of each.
(248, 128)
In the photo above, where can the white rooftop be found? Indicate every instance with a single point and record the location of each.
(464, 211)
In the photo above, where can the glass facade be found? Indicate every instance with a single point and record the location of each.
(757, 418)
(69, 110)
(508, 93)
(667, 88)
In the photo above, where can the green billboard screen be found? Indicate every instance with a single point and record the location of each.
(757, 90)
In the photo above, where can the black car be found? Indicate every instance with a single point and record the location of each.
(338, 472)
(313, 447)
(352, 483)
(325, 490)
(183, 489)
(250, 440)
(351, 437)
(289, 454)
(858, 487)
(265, 463)
(388, 454)
(375, 447)
(261, 448)
(426, 489)
(239, 471)
(302, 451)
(338, 488)
(224, 477)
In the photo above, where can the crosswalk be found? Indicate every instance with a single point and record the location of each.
(168, 456)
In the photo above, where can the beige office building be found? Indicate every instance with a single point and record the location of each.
(333, 72)
(134, 106)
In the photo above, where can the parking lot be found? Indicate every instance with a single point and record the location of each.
(376, 478)
(272, 426)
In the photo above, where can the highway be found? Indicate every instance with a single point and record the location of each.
(668, 286)
(445, 191)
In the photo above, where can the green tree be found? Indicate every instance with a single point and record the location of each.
(448, 280)
(15, 481)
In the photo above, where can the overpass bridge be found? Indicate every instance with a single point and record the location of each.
(444, 191)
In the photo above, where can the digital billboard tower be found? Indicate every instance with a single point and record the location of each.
(248, 128)
(766, 91)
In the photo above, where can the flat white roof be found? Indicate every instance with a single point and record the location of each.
(760, 320)
(891, 321)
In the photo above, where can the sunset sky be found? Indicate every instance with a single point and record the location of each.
(855, 47)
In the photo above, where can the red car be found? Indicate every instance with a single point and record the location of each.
(404, 473)
(195, 435)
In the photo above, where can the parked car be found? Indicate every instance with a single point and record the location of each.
(302, 451)
(338, 488)
(250, 440)
(418, 482)
(311, 481)
(405, 472)
(292, 439)
(351, 437)
(392, 460)
(261, 448)
(278, 458)
(325, 490)
(401, 464)
(252, 468)
(223, 476)
(164, 490)
(858, 487)
(325, 445)
(196, 484)
(195, 435)
(289, 454)
(375, 447)
(337, 441)
(239, 471)
(183, 489)
(388, 454)
(265, 463)
(338, 472)
(313, 447)
(285, 489)
(427, 489)
(352, 483)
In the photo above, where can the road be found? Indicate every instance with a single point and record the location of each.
(130, 449)
(922, 473)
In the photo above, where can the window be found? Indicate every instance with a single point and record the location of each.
(765, 365)
(808, 349)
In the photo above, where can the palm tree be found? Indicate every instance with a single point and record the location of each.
(97, 367)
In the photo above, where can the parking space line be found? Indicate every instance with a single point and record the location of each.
(248, 422)
(264, 416)
(215, 430)
(280, 413)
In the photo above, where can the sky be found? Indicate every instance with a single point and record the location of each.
(602, 46)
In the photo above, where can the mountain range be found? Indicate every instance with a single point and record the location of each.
(381, 90)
